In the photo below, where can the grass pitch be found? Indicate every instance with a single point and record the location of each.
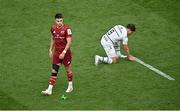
(25, 66)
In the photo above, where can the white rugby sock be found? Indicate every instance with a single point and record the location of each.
(50, 87)
(70, 84)
(106, 60)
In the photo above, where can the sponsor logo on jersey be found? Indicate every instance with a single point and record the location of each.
(59, 37)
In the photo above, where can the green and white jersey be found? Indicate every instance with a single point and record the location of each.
(118, 33)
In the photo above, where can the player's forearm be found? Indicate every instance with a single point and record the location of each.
(51, 45)
(126, 50)
(68, 45)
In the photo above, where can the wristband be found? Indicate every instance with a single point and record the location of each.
(64, 51)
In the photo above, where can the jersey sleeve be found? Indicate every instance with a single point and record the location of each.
(68, 32)
(125, 41)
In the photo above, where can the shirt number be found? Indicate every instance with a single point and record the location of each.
(110, 32)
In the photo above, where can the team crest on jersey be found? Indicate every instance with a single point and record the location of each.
(62, 32)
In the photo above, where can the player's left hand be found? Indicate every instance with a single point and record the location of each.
(61, 56)
(131, 58)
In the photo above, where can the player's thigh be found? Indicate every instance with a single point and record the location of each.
(55, 59)
(110, 50)
(117, 46)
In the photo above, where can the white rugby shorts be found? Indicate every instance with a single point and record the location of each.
(108, 46)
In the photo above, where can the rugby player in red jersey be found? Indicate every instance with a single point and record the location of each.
(60, 53)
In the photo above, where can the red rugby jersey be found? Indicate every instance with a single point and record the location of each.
(60, 34)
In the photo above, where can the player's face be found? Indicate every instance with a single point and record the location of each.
(129, 32)
(59, 21)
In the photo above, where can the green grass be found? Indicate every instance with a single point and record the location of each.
(25, 66)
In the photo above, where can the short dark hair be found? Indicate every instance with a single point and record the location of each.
(132, 27)
(58, 15)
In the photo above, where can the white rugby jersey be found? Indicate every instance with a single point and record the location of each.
(118, 33)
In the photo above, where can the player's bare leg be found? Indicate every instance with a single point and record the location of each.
(52, 80)
(70, 78)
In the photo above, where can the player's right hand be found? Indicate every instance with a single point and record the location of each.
(50, 53)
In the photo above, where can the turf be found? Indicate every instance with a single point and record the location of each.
(25, 66)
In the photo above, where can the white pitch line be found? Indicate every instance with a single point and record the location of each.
(154, 69)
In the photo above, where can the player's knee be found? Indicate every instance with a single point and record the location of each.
(114, 60)
(54, 74)
(55, 69)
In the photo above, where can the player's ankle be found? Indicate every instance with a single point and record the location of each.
(50, 87)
